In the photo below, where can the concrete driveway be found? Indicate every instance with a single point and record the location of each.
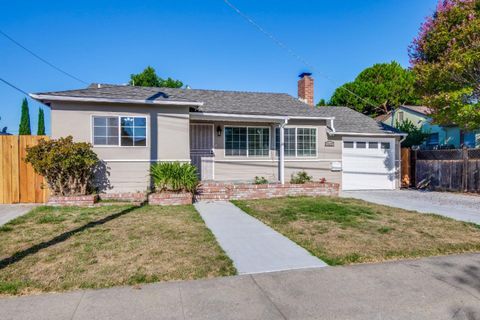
(434, 288)
(11, 211)
(457, 206)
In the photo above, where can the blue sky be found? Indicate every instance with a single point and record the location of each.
(203, 43)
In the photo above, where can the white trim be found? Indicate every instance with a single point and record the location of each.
(47, 97)
(247, 127)
(146, 160)
(386, 135)
(276, 160)
(210, 115)
(296, 156)
(119, 145)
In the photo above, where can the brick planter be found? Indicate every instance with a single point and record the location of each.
(230, 191)
(170, 198)
(81, 201)
(124, 197)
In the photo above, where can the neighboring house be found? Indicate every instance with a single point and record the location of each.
(228, 135)
(450, 135)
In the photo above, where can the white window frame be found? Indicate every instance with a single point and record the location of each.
(119, 144)
(296, 142)
(248, 155)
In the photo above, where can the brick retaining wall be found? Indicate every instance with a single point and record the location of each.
(81, 201)
(230, 191)
(170, 198)
(125, 196)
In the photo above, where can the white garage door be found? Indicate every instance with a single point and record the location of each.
(368, 164)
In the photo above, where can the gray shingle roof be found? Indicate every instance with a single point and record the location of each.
(234, 102)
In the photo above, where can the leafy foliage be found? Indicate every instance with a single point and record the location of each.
(260, 180)
(445, 58)
(67, 166)
(300, 177)
(149, 78)
(173, 176)
(381, 87)
(41, 122)
(415, 135)
(24, 128)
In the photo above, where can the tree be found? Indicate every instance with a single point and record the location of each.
(445, 58)
(377, 89)
(149, 78)
(322, 103)
(24, 128)
(415, 134)
(41, 123)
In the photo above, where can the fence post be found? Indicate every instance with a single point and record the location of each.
(465, 169)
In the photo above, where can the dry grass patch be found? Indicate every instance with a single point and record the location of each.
(55, 249)
(343, 231)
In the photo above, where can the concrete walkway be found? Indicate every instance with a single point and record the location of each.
(11, 211)
(436, 288)
(253, 246)
(453, 205)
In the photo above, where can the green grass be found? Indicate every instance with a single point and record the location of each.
(64, 248)
(345, 231)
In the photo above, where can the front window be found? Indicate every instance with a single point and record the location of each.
(299, 142)
(119, 131)
(247, 141)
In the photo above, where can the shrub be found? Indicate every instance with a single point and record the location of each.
(173, 176)
(68, 167)
(260, 180)
(300, 177)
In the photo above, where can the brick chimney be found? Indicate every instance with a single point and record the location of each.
(305, 88)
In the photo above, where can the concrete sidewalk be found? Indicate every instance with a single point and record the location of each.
(434, 288)
(9, 212)
(253, 246)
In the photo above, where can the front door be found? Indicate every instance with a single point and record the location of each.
(201, 149)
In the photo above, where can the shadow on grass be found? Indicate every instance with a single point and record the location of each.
(18, 256)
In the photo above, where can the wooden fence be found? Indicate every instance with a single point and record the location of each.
(18, 182)
(447, 170)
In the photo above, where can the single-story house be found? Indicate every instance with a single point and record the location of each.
(439, 135)
(227, 135)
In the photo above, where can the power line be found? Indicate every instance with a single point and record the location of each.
(40, 58)
(291, 52)
(14, 87)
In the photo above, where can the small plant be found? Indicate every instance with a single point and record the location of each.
(173, 176)
(300, 177)
(260, 180)
(68, 167)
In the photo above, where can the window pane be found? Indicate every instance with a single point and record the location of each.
(105, 130)
(258, 142)
(127, 141)
(306, 142)
(142, 132)
(127, 131)
(127, 121)
(385, 145)
(235, 141)
(348, 144)
(361, 145)
(140, 122)
(290, 142)
(140, 141)
(373, 145)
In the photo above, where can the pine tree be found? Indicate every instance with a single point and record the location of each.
(24, 128)
(41, 122)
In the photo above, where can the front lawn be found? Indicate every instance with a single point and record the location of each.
(343, 231)
(55, 249)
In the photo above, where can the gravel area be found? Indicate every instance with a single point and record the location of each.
(454, 205)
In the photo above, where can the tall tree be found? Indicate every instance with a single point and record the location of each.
(377, 89)
(149, 78)
(24, 128)
(41, 122)
(445, 58)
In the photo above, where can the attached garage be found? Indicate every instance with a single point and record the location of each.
(368, 163)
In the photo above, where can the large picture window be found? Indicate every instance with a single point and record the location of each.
(119, 131)
(247, 141)
(299, 142)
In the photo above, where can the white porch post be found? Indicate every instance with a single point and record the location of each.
(281, 161)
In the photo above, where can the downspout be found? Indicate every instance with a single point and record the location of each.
(281, 161)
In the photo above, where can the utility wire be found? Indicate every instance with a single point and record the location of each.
(291, 52)
(14, 87)
(40, 58)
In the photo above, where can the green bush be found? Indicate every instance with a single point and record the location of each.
(260, 180)
(173, 176)
(300, 178)
(68, 167)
